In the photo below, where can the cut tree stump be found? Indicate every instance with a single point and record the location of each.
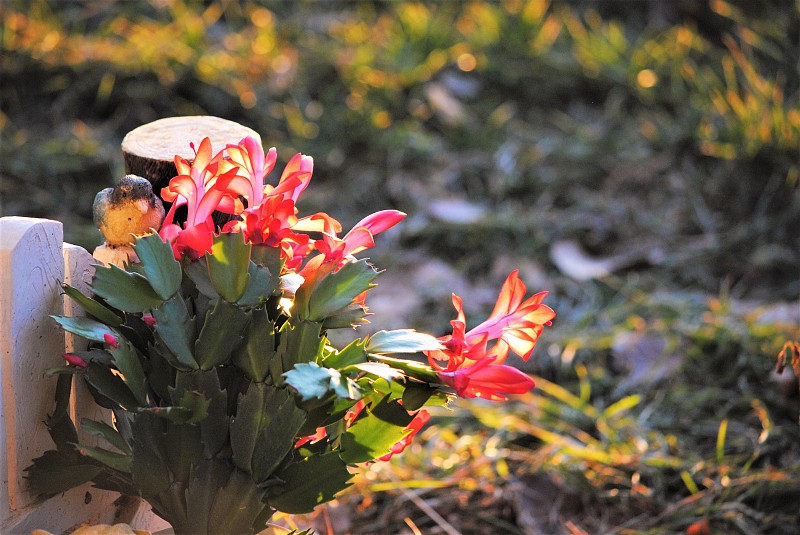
(149, 150)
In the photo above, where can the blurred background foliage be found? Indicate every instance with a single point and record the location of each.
(639, 159)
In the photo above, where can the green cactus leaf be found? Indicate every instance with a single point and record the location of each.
(183, 447)
(108, 433)
(160, 372)
(349, 317)
(214, 426)
(378, 369)
(85, 327)
(277, 438)
(129, 364)
(149, 468)
(254, 355)
(175, 329)
(95, 308)
(401, 341)
(228, 266)
(112, 459)
(353, 353)
(60, 370)
(59, 424)
(251, 416)
(137, 331)
(411, 368)
(261, 287)
(241, 495)
(373, 435)
(97, 355)
(56, 472)
(159, 264)
(416, 395)
(197, 271)
(264, 429)
(213, 492)
(220, 335)
(268, 257)
(310, 482)
(110, 386)
(192, 408)
(313, 381)
(206, 480)
(336, 290)
(124, 290)
(298, 342)
(197, 404)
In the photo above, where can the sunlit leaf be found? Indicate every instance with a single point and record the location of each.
(401, 341)
(373, 435)
(85, 327)
(314, 381)
(158, 263)
(338, 289)
(228, 266)
(124, 290)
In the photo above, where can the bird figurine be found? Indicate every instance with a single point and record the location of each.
(127, 210)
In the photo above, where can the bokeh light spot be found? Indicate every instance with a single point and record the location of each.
(261, 18)
(281, 64)
(381, 119)
(466, 62)
(248, 99)
(646, 78)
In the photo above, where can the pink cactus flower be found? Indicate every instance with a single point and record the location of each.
(111, 340)
(76, 360)
(474, 369)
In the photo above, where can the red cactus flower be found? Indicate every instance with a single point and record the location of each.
(361, 236)
(487, 380)
(473, 368)
(202, 189)
(76, 360)
(111, 340)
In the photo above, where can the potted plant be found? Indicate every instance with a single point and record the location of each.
(229, 401)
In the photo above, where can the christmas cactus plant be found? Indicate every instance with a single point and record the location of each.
(229, 402)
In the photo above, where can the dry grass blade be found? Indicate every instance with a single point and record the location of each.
(431, 512)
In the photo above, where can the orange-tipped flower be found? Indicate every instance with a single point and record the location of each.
(475, 370)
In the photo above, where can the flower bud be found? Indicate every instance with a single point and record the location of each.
(76, 360)
(111, 340)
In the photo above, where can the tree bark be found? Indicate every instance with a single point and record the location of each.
(149, 151)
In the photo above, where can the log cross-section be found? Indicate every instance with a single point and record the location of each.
(149, 150)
